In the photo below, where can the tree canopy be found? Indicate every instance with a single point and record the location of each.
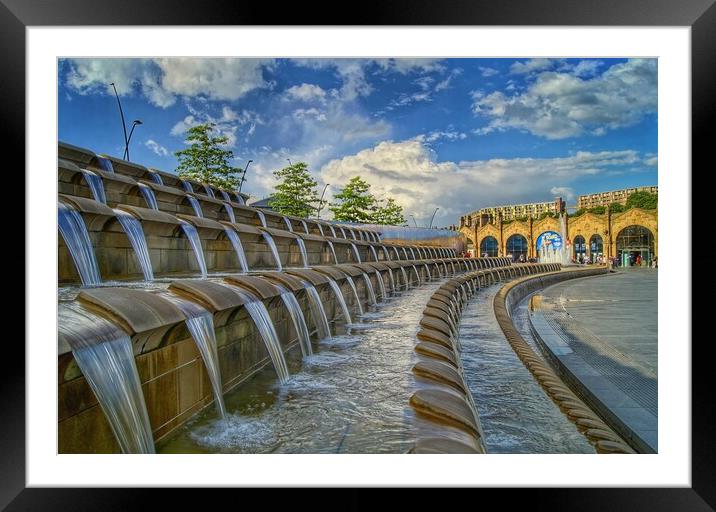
(205, 160)
(642, 199)
(617, 208)
(357, 204)
(295, 194)
(390, 214)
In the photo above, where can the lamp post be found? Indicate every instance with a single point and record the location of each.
(135, 123)
(320, 202)
(121, 114)
(243, 175)
(416, 224)
(431, 218)
(289, 161)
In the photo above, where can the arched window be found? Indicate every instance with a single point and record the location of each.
(488, 247)
(580, 248)
(517, 246)
(596, 247)
(635, 246)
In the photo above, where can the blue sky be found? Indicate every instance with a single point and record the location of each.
(458, 134)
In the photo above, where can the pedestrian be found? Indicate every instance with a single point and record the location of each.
(638, 260)
(655, 262)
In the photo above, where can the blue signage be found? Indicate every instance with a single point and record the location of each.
(549, 240)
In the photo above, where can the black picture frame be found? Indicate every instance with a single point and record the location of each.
(700, 15)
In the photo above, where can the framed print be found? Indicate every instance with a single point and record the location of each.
(421, 249)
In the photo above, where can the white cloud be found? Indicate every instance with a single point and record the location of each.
(566, 193)
(303, 114)
(488, 72)
(561, 105)
(651, 160)
(162, 81)
(409, 172)
(305, 92)
(449, 134)
(156, 148)
(532, 65)
(227, 124)
(587, 67)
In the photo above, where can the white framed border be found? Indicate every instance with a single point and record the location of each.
(670, 467)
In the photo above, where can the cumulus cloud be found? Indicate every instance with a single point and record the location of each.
(306, 92)
(532, 65)
(488, 72)
(563, 192)
(163, 80)
(651, 160)
(410, 172)
(227, 124)
(156, 148)
(560, 105)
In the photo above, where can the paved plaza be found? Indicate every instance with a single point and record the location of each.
(602, 332)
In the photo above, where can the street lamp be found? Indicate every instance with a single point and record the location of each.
(121, 114)
(431, 218)
(416, 224)
(320, 202)
(289, 161)
(135, 123)
(243, 175)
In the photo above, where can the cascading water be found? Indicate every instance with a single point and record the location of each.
(156, 178)
(74, 232)
(375, 254)
(317, 311)
(381, 285)
(369, 288)
(341, 301)
(274, 250)
(333, 230)
(187, 186)
(412, 252)
(200, 324)
(104, 354)
(233, 237)
(149, 197)
(262, 320)
(356, 253)
(305, 227)
(304, 253)
(405, 253)
(133, 228)
(96, 185)
(397, 254)
(427, 272)
(224, 195)
(405, 278)
(105, 164)
(239, 199)
(320, 228)
(209, 191)
(392, 280)
(262, 218)
(230, 212)
(353, 234)
(417, 275)
(289, 226)
(344, 233)
(333, 251)
(352, 284)
(299, 321)
(193, 236)
(385, 253)
(194, 202)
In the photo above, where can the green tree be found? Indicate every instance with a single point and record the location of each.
(205, 160)
(296, 191)
(389, 214)
(642, 199)
(617, 208)
(598, 210)
(579, 212)
(545, 215)
(355, 202)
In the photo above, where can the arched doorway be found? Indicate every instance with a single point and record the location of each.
(488, 247)
(580, 249)
(517, 246)
(635, 246)
(596, 247)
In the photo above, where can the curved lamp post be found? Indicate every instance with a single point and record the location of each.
(121, 114)
(431, 218)
(135, 123)
(416, 224)
(320, 202)
(243, 175)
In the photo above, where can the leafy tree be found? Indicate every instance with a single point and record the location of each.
(599, 210)
(617, 208)
(579, 212)
(524, 218)
(355, 202)
(545, 215)
(296, 191)
(642, 199)
(390, 214)
(205, 160)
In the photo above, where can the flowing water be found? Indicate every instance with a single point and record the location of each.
(262, 218)
(274, 250)
(341, 301)
(194, 202)
(320, 228)
(230, 212)
(304, 253)
(156, 178)
(406, 283)
(516, 415)
(105, 164)
(149, 197)
(225, 196)
(392, 280)
(369, 289)
(187, 186)
(333, 230)
(299, 321)
(381, 285)
(193, 237)
(417, 275)
(239, 199)
(427, 272)
(351, 396)
(133, 228)
(305, 227)
(375, 254)
(74, 232)
(356, 253)
(352, 284)
(385, 253)
(104, 354)
(333, 251)
(96, 185)
(209, 191)
(317, 312)
(397, 254)
(233, 237)
(289, 226)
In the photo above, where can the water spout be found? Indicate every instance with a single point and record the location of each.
(352, 284)
(193, 236)
(156, 178)
(74, 232)
(233, 237)
(333, 251)
(149, 197)
(105, 164)
(230, 212)
(369, 288)
(305, 227)
(304, 253)
(262, 218)
(187, 186)
(299, 321)
(392, 280)
(194, 202)
(341, 300)
(274, 250)
(209, 191)
(381, 285)
(225, 195)
(375, 254)
(405, 278)
(317, 311)
(355, 252)
(96, 185)
(133, 228)
(289, 226)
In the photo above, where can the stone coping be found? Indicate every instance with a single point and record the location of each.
(568, 401)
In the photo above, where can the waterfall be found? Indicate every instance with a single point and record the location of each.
(194, 202)
(96, 185)
(427, 272)
(200, 324)
(353, 234)
(133, 228)
(381, 285)
(149, 197)
(193, 236)
(333, 251)
(288, 224)
(385, 253)
(233, 237)
(369, 289)
(412, 252)
(105, 164)
(262, 320)
(355, 252)
(299, 322)
(187, 186)
(225, 195)
(274, 250)
(317, 311)
(262, 218)
(104, 354)
(304, 253)
(209, 191)
(230, 212)
(239, 199)
(392, 280)
(344, 232)
(305, 227)
(320, 228)
(341, 301)
(156, 178)
(352, 284)
(405, 278)
(333, 230)
(452, 264)
(74, 232)
(397, 254)
(417, 275)
(375, 254)
(405, 253)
